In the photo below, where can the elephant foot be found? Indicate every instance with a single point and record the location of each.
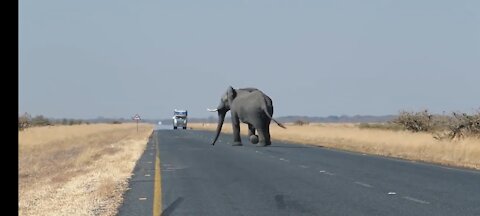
(237, 144)
(254, 139)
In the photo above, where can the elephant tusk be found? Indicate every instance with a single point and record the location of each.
(212, 110)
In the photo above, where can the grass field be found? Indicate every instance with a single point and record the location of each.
(79, 169)
(399, 144)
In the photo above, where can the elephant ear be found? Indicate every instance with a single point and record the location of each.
(231, 94)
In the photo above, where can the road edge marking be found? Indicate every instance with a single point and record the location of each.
(416, 200)
(363, 184)
(157, 184)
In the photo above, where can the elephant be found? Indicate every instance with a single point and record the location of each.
(250, 106)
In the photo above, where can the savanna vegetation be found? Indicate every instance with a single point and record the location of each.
(77, 169)
(453, 126)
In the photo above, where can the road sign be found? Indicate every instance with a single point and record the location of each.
(136, 117)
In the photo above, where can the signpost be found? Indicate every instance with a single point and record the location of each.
(136, 117)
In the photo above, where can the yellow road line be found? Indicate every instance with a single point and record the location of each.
(157, 195)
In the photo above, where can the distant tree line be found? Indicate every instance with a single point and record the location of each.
(453, 126)
(299, 120)
(26, 121)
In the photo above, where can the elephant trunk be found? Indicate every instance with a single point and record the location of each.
(221, 118)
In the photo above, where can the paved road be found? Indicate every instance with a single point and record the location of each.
(291, 179)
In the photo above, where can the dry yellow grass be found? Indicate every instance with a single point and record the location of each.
(77, 170)
(399, 144)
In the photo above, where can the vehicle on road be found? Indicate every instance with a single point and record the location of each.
(180, 119)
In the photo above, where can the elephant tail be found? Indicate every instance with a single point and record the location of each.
(269, 116)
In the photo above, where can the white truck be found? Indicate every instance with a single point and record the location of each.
(180, 119)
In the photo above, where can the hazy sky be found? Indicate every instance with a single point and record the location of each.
(90, 58)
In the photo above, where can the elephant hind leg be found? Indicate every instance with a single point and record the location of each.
(261, 138)
(268, 141)
(264, 134)
(251, 130)
(251, 134)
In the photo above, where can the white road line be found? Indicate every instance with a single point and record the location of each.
(325, 172)
(283, 159)
(142, 198)
(363, 184)
(303, 166)
(147, 175)
(415, 200)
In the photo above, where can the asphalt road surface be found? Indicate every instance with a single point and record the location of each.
(195, 178)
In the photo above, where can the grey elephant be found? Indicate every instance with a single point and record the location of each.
(250, 106)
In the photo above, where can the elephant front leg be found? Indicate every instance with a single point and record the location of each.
(236, 131)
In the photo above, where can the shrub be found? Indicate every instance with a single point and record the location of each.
(300, 122)
(24, 121)
(415, 121)
(462, 125)
(453, 126)
(39, 120)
